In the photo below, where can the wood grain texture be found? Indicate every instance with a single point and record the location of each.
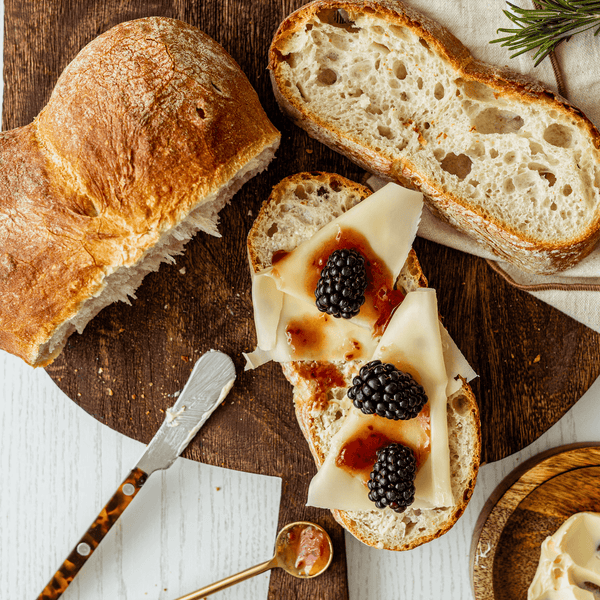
(188, 526)
(528, 506)
(96, 532)
(534, 362)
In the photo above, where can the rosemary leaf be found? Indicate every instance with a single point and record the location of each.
(545, 27)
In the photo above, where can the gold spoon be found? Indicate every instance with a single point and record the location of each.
(302, 549)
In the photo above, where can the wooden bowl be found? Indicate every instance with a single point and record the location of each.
(528, 506)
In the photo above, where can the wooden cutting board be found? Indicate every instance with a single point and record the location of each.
(533, 362)
(528, 506)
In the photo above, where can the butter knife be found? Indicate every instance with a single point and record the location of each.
(211, 379)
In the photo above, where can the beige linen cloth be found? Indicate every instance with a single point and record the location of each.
(575, 292)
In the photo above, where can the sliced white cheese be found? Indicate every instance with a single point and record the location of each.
(456, 363)
(412, 342)
(267, 302)
(305, 333)
(335, 487)
(415, 340)
(256, 359)
(388, 221)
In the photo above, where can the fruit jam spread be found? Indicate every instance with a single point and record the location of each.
(325, 376)
(359, 453)
(307, 551)
(306, 334)
(307, 338)
(380, 296)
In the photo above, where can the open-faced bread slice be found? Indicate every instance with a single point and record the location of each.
(298, 207)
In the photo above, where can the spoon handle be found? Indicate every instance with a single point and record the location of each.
(231, 580)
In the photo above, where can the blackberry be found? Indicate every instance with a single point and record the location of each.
(392, 480)
(341, 288)
(382, 389)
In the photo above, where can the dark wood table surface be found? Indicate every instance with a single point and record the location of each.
(533, 362)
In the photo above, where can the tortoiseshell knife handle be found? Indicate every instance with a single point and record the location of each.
(93, 536)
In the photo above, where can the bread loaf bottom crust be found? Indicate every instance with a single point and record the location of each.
(497, 155)
(298, 207)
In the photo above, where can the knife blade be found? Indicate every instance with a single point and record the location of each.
(209, 383)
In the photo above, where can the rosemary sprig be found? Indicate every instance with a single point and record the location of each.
(555, 21)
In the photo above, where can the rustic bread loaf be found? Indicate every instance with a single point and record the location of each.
(297, 208)
(496, 155)
(147, 135)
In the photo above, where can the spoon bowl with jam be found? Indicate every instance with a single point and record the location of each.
(302, 549)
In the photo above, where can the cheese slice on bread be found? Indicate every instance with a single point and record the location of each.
(412, 343)
(289, 325)
(297, 209)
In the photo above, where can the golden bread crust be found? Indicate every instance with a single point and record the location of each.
(147, 123)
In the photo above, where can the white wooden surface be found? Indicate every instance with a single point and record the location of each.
(189, 526)
(193, 524)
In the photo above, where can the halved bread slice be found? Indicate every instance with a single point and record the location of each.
(297, 208)
(498, 156)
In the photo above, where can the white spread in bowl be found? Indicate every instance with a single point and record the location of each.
(569, 567)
